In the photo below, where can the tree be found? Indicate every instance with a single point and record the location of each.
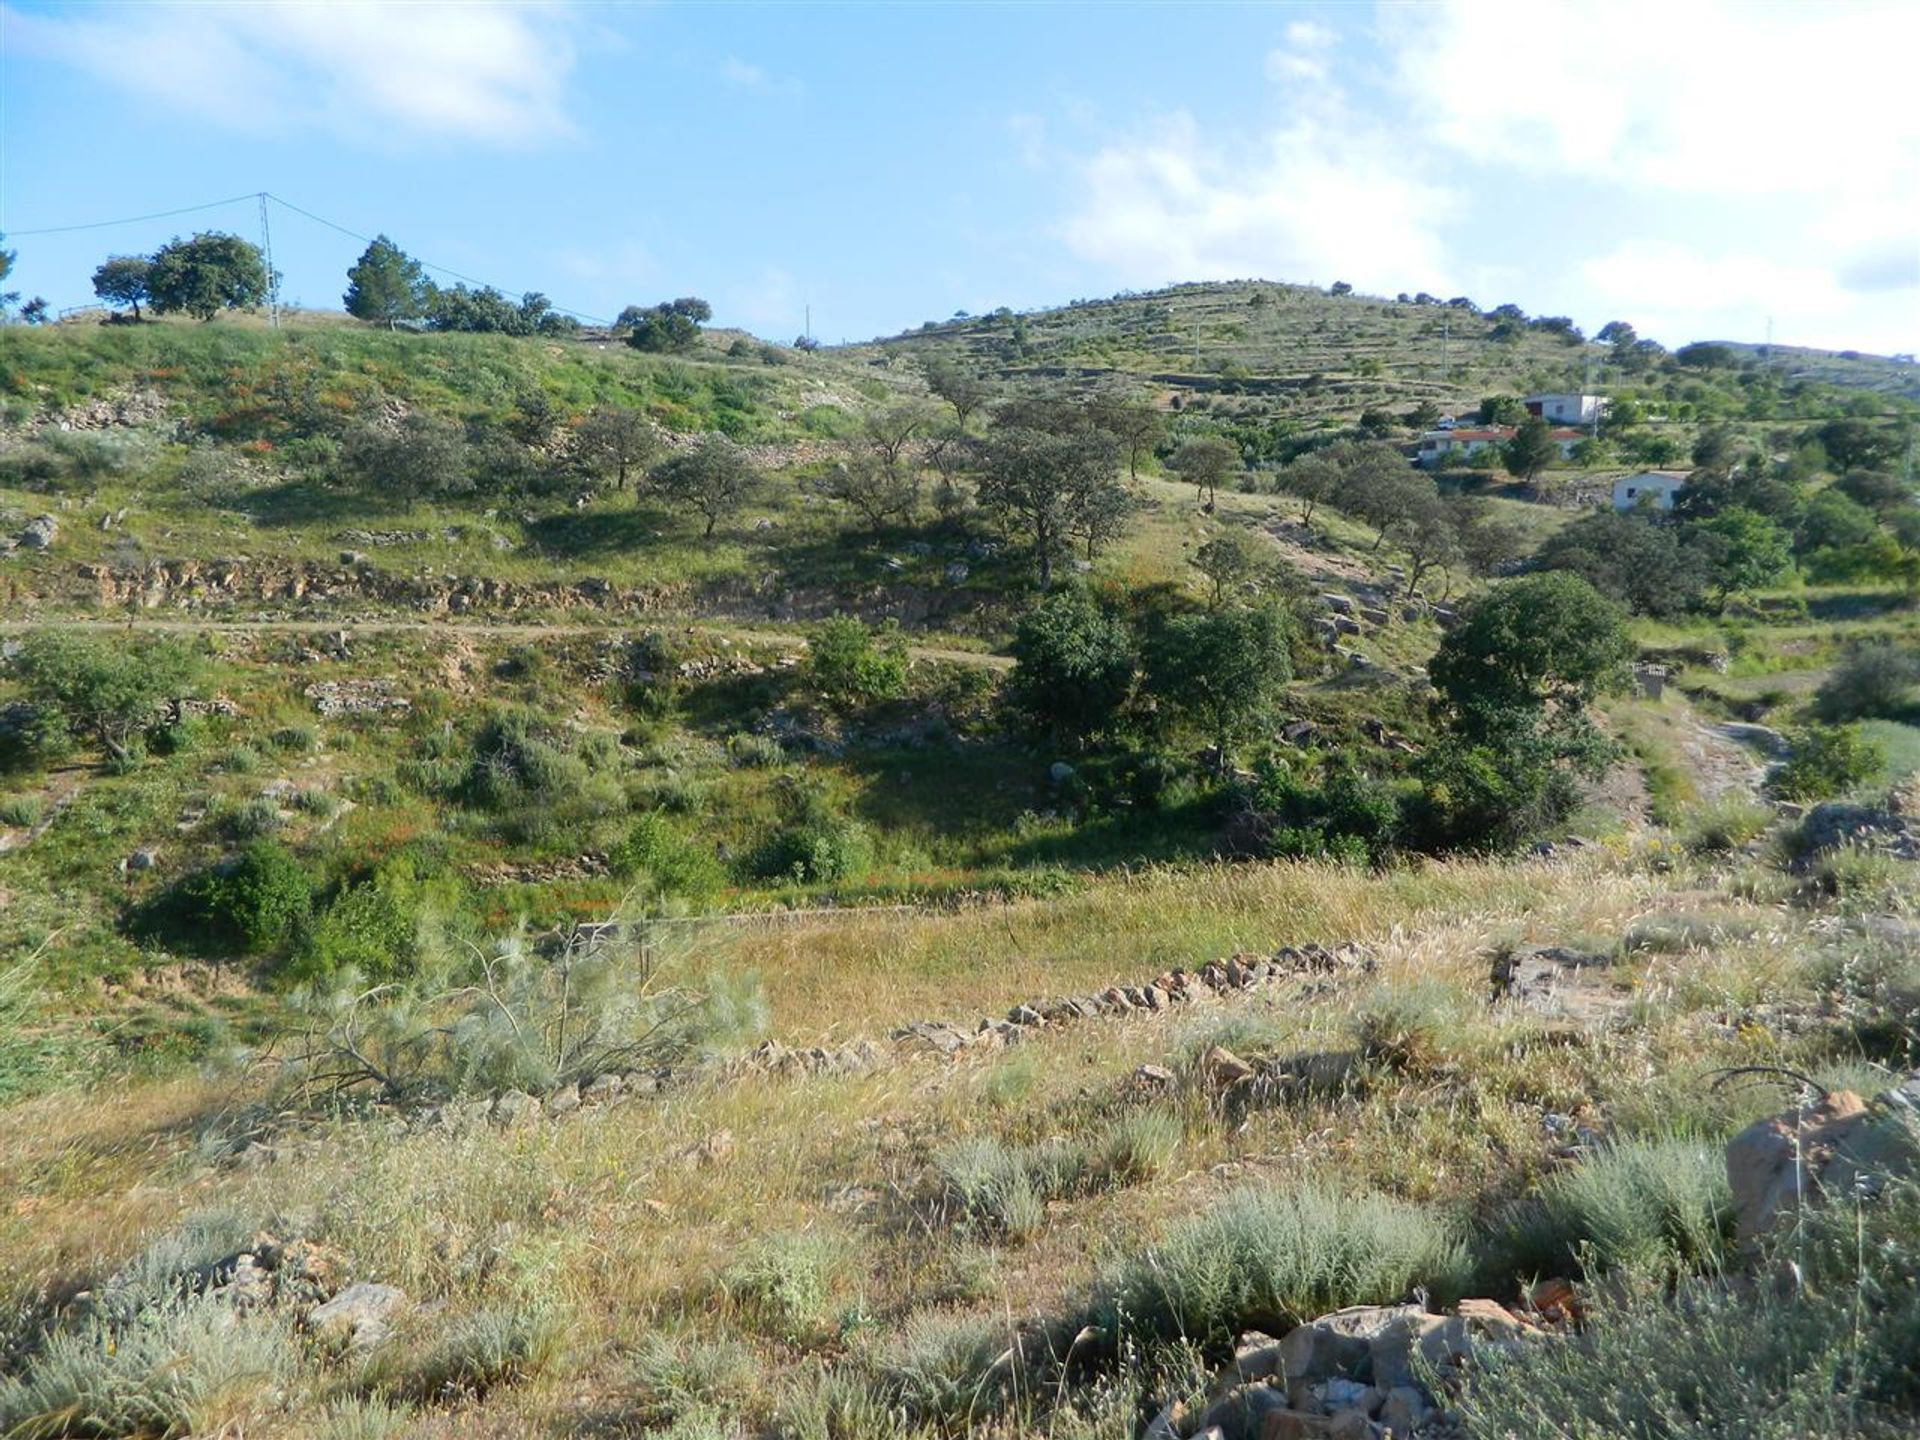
(106, 691)
(487, 311)
(1378, 486)
(1875, 489)
(1314, 479)
(1826, 760)
(425, 455)
(1747, 551)
(1043, 481)
(1073, 668)
(1531, 448)
(1134, 423)
(715, 479)
(1631, 559)
(964, 390)
(847, 669)
(1502, 410)
(1340, 287)
(1220, 671)
(1858, 444)
(1542, 642)
(1233, 562)
(386, 285)
(1706, 355)
(1204, 463)
(616, 440)
(1834, 520)
(207, 274)
(891, 430)
(1425, 529)
(1619, 334)
(875, 492)
(124, 280)
(1515, 680)
(672, 325)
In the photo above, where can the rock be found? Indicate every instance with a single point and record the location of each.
(563, 1101)
(1025, 1015)
(514, 1109)
(1337, 1342)
(40, 533)
(1169, 1424)
(1220, 1068)
(358, 1315)
(1554, 981)
(1405, 1409)
(1241, 1413)
(933, 1035)
(603, 1089)
(1303, 1425)
(1153, 1077)
(142, 860)
(1775, 1165)
(1836, 823)
(1059, 772)
(1339, 604)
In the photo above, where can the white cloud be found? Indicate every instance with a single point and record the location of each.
(1304, 56)
(1315, 198)
(749, 76)
(1708, 95)
(1672, 289)
(377, 72)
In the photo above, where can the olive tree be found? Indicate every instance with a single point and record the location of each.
(715, 479)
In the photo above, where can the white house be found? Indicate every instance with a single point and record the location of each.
(1439, 447)
(1649, 487)
(1566, 409)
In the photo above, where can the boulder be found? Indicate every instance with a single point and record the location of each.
(1241, 1413)
(1776, 1165)
(1340, 1342)
(1220, 1068)
(603, 1089)
(359, 1315)
(1304, 1425)
(514, 1109)
(40, 533)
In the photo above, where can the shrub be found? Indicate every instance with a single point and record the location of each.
(675, 1375)
(540, 779)
(186, 1369)
(783, 1282)
(1875, 682)
(1724, 826)
(948, 1370)
(255, 899)
(1270, 1258)
(21, 810)
(1832, 1355)
(676, 865)
(1658, 1204)
(361, 1418)
(106, 692)
(514, 1018)
(296, 739)
(848, 670)
(1138, 1146)
(369, 929)
(477, 1352)
(755, 752)
(1826, 760)
(1405, 1027)
(817, 850)
(257, 817)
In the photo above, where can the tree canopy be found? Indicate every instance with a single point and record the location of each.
(124, 280)
(207, 274)
(386, 285)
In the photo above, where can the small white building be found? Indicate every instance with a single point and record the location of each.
(1566, 409)
(1442, 447)
(1650, 487)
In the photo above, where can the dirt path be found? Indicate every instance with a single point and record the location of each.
(140, 624)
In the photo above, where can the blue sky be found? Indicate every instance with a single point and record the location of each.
(1692, 166)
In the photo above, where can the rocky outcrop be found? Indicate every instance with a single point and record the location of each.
(1361, 1373)
(1840, 1146)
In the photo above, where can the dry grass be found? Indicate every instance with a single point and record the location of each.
(789, 1217)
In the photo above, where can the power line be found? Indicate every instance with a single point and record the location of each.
(262, 197)
(136, 219)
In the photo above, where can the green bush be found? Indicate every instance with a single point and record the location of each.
(672, 1376)
(783, 1283)
(947, 1370)
(1724, 826)
(540, 780)
(370, 929)
(21, 810)
(1836, 1354)
(819, 849)
(477, 1352)
(1270, 1258)
(254, 900)
(1875, 682)
(675, 864)
(1659, 1204)
(182, 1369)
(847, 669)
(1826, 760)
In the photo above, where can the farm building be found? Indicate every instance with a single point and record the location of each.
(1649, 487)
(1566, 409)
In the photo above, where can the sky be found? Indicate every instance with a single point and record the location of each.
(1700, 169)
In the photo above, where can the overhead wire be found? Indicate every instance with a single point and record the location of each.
(304, 213)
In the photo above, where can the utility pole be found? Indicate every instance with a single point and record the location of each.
(266, 251)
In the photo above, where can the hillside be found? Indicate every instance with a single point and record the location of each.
(550, 890)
